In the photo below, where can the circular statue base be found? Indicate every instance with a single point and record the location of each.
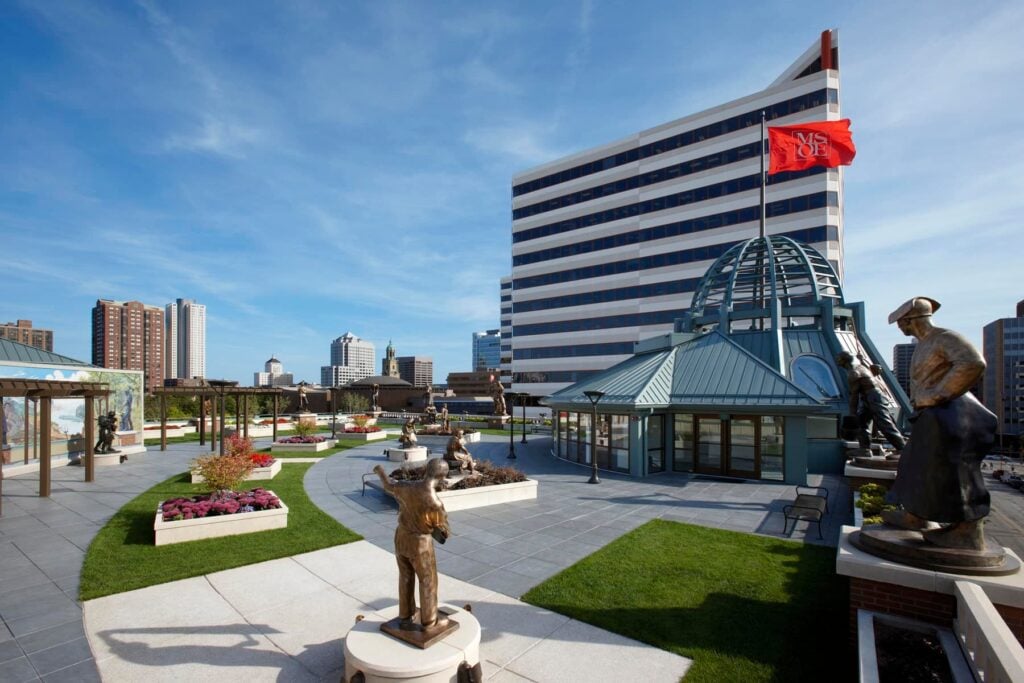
(413, 454)
(381, 658)
(909, 547)
(873, 463)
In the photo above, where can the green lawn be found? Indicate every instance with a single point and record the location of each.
(122, 557)
(743, 607)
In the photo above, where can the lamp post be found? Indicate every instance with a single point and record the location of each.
(522, 399)
(334, 412)
(594, 395)
(511, 431)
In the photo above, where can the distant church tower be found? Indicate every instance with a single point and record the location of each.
(389, 366)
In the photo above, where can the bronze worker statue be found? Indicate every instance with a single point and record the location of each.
(408, 437)
(376, 399)
(499, 399)
(105, 442)
(303, 399)
(457, 454)
(421, 519)
(867, 404)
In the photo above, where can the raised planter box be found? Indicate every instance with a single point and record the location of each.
(181, 531)
(362, 436)
(310, 447)
(440, 441)
(258, 474)
(482, 496)
(256, 431)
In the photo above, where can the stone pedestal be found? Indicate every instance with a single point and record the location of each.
(382, 658)
(497, 421)
(414, 454)
(306, 419)
(882, 586)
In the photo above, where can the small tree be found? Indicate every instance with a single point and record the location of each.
(223, 472)
(305, 428)
(353, 403)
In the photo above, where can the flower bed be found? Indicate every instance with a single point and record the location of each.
(267, 467)
(363, 434)
(491, 485)
(312, 444)
(211, 516)
(362, 430)
(280, 421)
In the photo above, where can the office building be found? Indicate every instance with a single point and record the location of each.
(416, 370)
(609, 244)
(505, 333)
(273, 375)
(352, 359)
(129, 335)
(186, 339)
(901, 355)
(23, 333)
(1003, 386)
(476, 383)
(487, 350)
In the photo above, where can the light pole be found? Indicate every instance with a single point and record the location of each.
(522, 399)
(334, 412)
(594, 395)
(511, 431)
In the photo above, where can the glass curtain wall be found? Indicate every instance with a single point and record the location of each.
(612, 440)
(750, 446)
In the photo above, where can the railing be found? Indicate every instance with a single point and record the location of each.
(989, 646)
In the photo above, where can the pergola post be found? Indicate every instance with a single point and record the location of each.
(163, 422)
(275, 416)
(238, 413)
(202, 419)
(90, 438)
(245, 416)
(223, 409)
(28, 427)
(45, 409)
(215, 408)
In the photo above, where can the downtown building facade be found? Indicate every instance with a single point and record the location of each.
(352, 359)
(486, 350)
(129, 335)
(902, 354)
(608, 245)
(273, 375)
(185, 321)
(1003, 385)
(416, 370)
(23, 333)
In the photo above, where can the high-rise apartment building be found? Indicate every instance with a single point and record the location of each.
(901, 355)
(186, 339)
(351, 359)
(609, 244)
(1003, 386)
(273, 375)
(129, 335)
(487, 349)
(416, 370)
(23, 333)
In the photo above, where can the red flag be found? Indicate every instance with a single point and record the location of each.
(819, 143)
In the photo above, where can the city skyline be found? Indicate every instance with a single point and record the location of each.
(247, 173)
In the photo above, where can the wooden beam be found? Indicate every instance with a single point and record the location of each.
(45, 405)
(163, 422)
(90, 438)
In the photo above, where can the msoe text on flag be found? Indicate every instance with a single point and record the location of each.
(803, 145)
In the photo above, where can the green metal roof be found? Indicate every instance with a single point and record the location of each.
(707, 372)
(12, 351)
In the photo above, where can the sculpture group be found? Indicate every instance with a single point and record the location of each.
(108, 430)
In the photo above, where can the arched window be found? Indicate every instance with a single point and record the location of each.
(812, 374)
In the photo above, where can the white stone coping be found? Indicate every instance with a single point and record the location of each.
(382, 657)
(362, 436)
(868, 473)
(180, 531)
(481, 496)
(855, 563)
(257, 474)
(311, 447)
(414, 454)
(987, 642)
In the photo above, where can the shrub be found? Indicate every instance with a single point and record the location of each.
(872, 502)
(223, 472)
(262, 460)
(360, 420)
(305, 428)
(237, 445)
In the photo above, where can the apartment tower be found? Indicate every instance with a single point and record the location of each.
(129, 335)
(23, 333)
(186, 339)
(351, 359)
(609, 244)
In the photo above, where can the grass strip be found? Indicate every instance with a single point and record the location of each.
(742, 607)
(122, 557)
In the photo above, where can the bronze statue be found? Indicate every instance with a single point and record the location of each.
(376, 398)
(421, 517)
(499, 399)
(457, 454)
(303, 399)
(446, 426)
(867, 404)
(430, 413)
(107, 424)
(408, 437)
(428, 396)
(939, 477)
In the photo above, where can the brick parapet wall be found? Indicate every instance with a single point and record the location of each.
(936, 608)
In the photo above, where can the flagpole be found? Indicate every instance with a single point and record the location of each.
(763, 174)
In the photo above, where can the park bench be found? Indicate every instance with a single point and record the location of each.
(811, 504)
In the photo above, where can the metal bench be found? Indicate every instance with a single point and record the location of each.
(811, 504)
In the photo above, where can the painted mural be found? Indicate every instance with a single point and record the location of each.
(68, 414)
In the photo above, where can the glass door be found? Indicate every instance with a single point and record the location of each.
(709, 445)
(743, 447)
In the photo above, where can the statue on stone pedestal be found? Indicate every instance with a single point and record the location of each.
(421, 518)
(499, 399)
(457, 454)
(376, 398)
(939, 477)
(107, 424)
(446, 426)
(428, 396)
(303, 399)
(408, 437)
(868, 405)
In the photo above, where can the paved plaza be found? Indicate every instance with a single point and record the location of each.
(228, 623)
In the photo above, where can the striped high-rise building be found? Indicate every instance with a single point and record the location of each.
(186, 339)
(609, 244)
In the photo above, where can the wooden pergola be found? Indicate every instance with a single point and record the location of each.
(44, 391)
(218, 391)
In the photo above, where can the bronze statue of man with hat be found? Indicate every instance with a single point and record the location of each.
(867, 404)
(939, 477)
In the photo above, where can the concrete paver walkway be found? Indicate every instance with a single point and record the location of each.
(497, 554)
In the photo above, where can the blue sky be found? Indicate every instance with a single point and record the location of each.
(309, 168)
